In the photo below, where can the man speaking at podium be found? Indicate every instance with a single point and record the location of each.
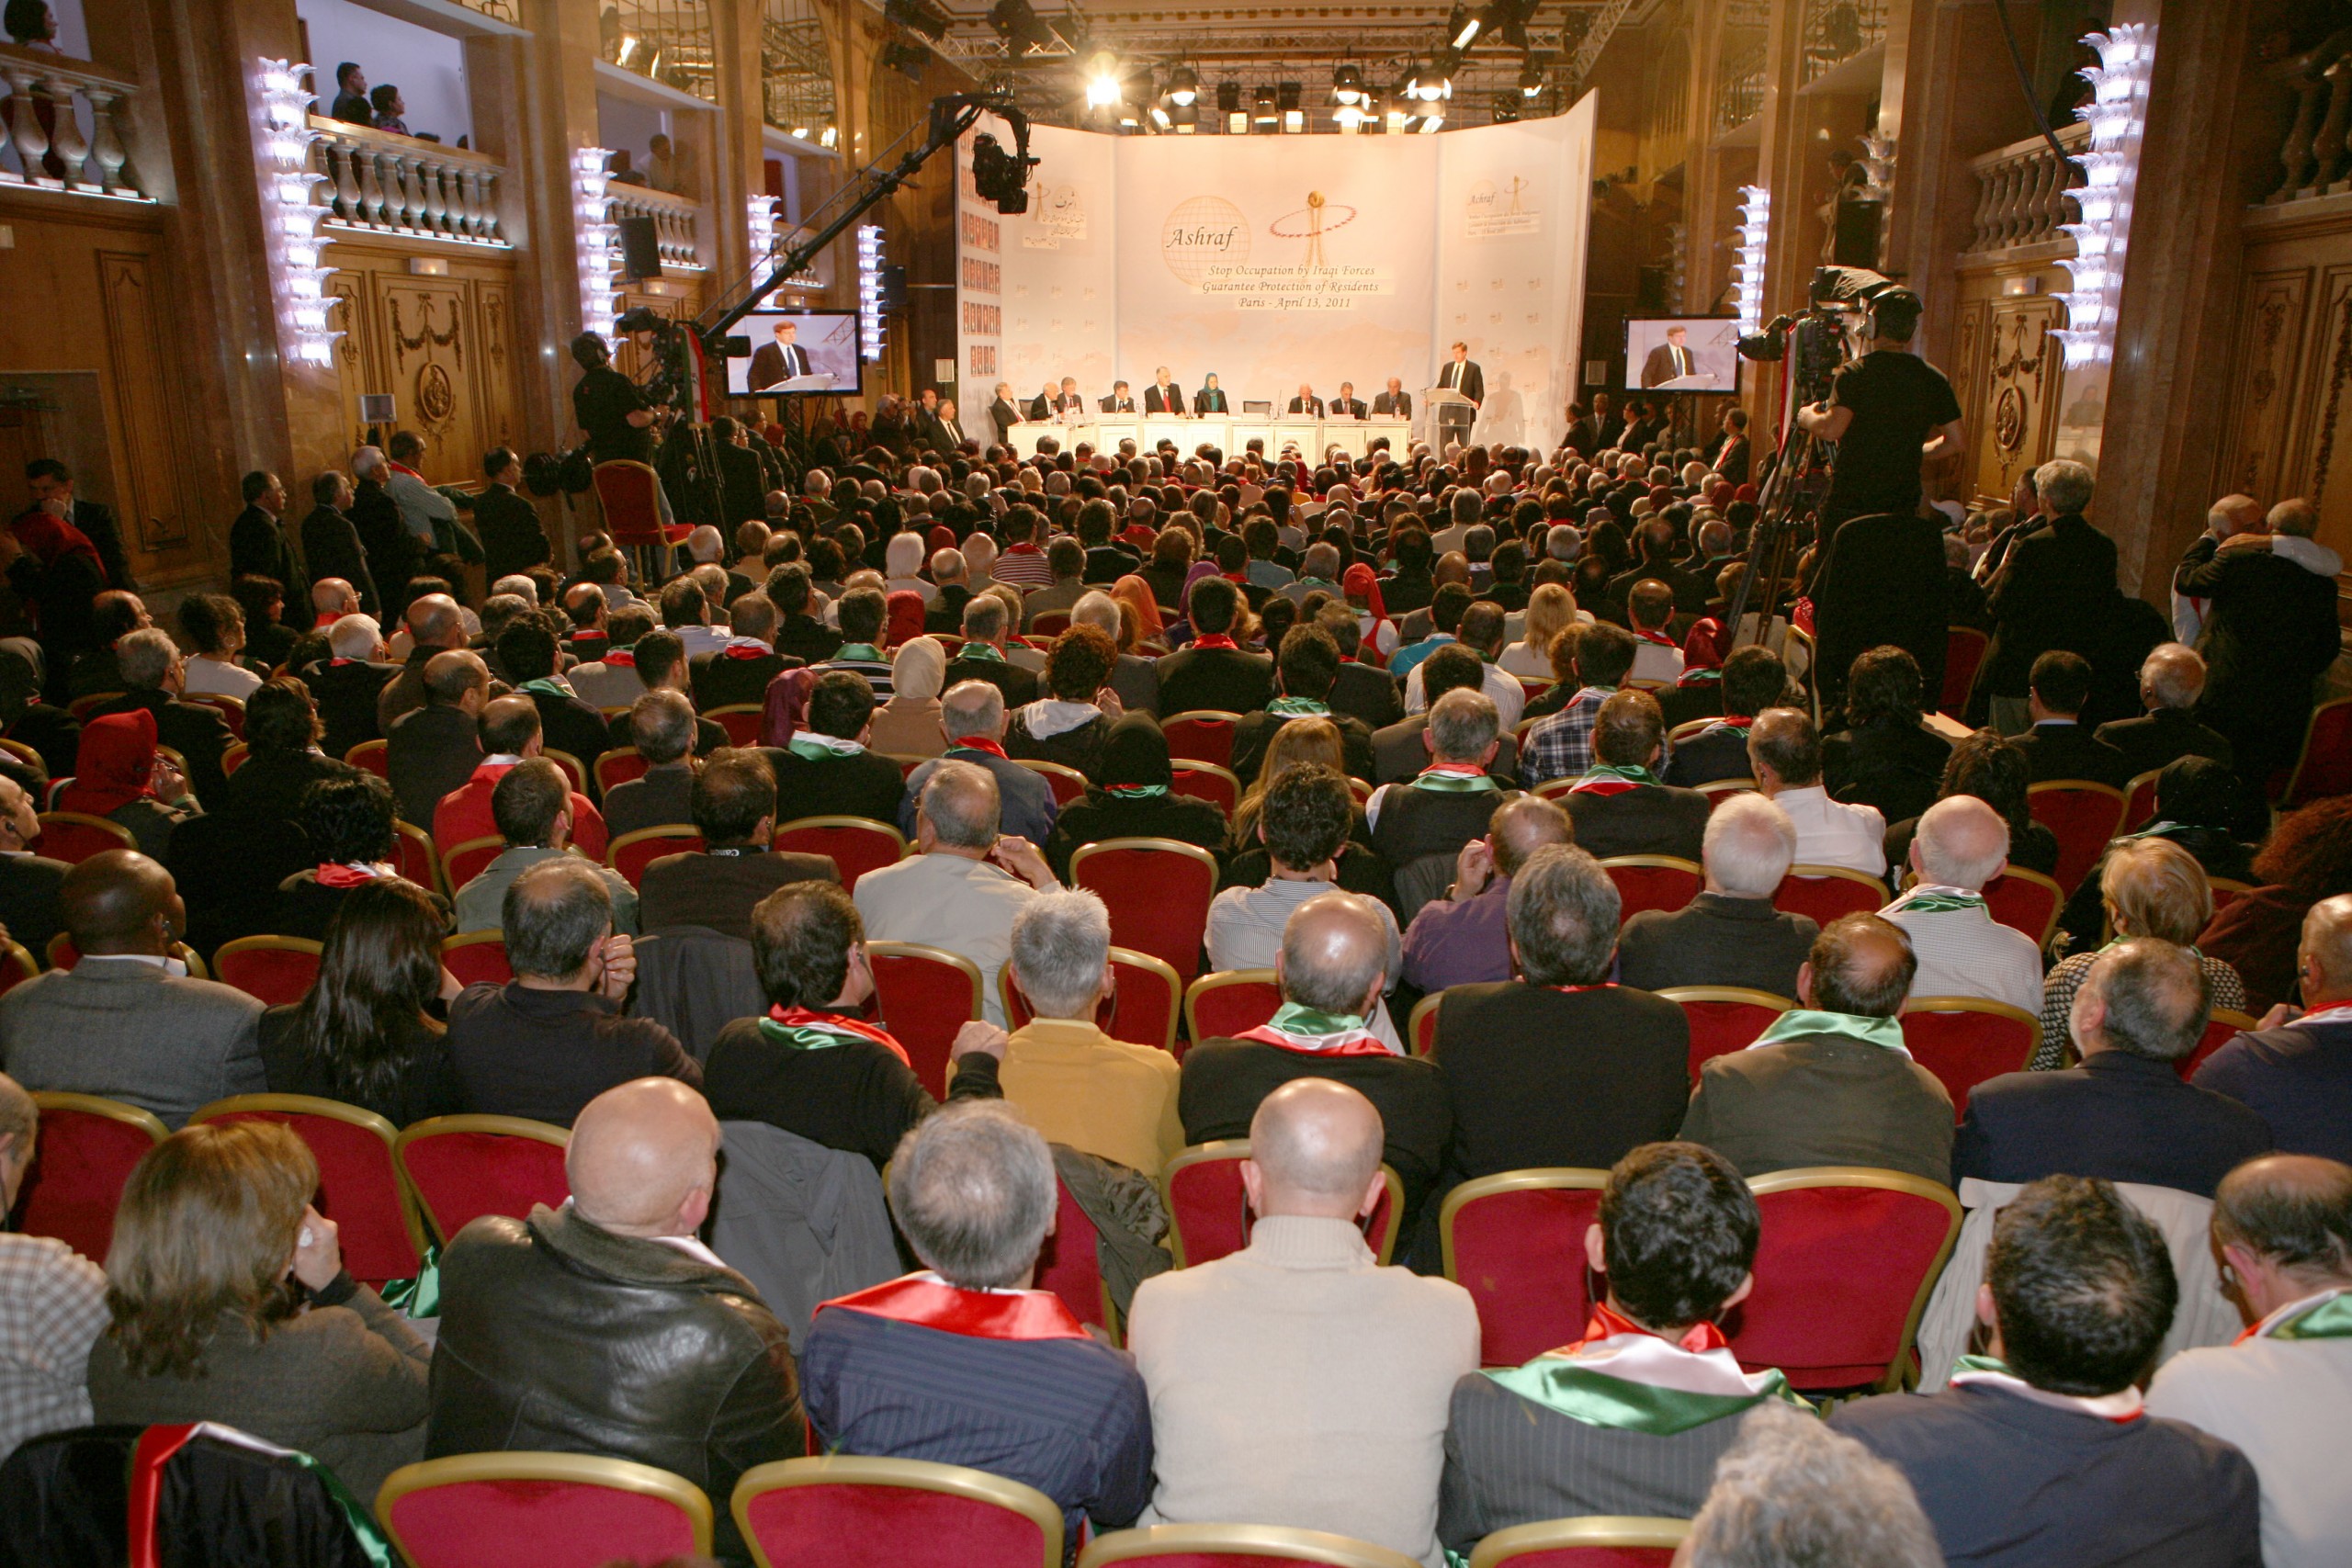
(1461, 375)
(1669, 359)
(780, 360)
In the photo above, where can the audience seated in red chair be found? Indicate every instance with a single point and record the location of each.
(510, 732)
(1464, 938)
(531, 805)
(1960, 949)
(55, 1296)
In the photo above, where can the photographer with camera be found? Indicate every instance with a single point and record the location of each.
(614, 411)
(1881, 574)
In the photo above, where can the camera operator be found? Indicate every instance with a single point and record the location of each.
(1889, 412)
(615, 412)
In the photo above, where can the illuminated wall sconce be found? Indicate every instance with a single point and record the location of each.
(2117, 115)
(290, 219)
(1747, 270)
(596, 237)
(762, 219)
(869, 291)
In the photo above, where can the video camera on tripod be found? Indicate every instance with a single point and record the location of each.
(1834, 330)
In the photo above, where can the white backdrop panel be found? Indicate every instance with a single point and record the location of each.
(1060, 282)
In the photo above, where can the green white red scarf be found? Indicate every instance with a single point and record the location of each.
(984, 651)
(930, 1302)
(805, 1029)
(821, 748)
(1932, 898)
(858, 653)
(1135, 791)
(2122, 1406)
(1456, 778)
(1299, 707)
(1799, 1023)
(1622, 1376)
(2327, 1315)
(1608, 778)
(1304, 1030)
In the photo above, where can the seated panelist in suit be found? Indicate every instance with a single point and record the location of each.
(1307, 403)
(1121, 399)
(1070, 400)
(1043, 405)
(1347, 405)
(1210, 399)
(1395, 402)
(1003, 413)
(1163, 395)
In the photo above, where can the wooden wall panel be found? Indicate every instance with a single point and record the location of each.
(2287, 428)
(2272, 320)
(144, 385)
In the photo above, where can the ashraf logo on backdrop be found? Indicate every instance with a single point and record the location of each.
(1495, 207)
(1206, 242)
(1057, 216)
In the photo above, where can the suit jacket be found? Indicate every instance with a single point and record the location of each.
(2070, 751)
(722, 680)
(1469, 381)
(567, 724)
(2297, 1079)
(2008, 1483)
(196, 732)
(1348, 408)
(1397, 405)
(660, 798)
(122, 1029)
(1660, 366)
(2123, 1117)
(2161, 737)
(1209, 399)
(1715, 940)
(1019, 685)
(429, 753)
(1705, 757)
(2044, 597)
(1227, 679)
(717, 891)
(1171, 401)
(1583, 437)
(1003, 415)
(1308, 405)
(332, 545)
(1043, 406)
(393, 553)
(1823, 1100)
(96, 519)
(1368, 693)
(1028, 806)
(513, 539)
(1883, 582)
(1398, 753)
(2270, 631)
(863, 786)
(1224, 1081)
(346, 693)
(1118, 405)
(773, 362)
(257, 547)
(1256, 732)
(28, 884)
(1648, 820)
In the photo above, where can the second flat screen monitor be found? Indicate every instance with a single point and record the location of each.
(1681, 354)
(797, 351)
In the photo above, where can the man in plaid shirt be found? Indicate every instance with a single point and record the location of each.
(52, 1302)
(1560, 746)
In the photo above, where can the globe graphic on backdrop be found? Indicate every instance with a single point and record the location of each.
(1200, 233)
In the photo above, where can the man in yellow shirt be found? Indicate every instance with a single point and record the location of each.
(1074, 1083)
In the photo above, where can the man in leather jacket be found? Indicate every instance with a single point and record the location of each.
(606, 1327)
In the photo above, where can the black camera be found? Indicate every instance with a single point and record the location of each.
(1001, 177)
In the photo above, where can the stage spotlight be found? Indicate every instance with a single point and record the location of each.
(1349, 117)
(1531, 80)
(907, 59)
(1506, 107)
(1507, 20)
(1268, 114)
(1229, 104)
(1184, 87)
(916, 17)
(1431, 121)
(1287, 98)
(1187, 118)
(1100, 68)
(1462, 27)
(1160, 118)
(1023, 31)
(1347, 83)
(1430, 83)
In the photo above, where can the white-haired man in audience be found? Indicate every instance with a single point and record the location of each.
(972, 713)
(1963, 951)
(1134, 678)
(1729, 934)
(1793, 1493)
(52, 1300)
(1784, 753)
(1296, 1382)
(2172, 678)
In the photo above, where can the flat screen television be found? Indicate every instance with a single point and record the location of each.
(795, 352)
(1682, 354)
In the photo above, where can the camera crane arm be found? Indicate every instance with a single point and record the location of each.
(950, 117)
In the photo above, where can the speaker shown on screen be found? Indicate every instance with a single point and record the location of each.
(640, 248)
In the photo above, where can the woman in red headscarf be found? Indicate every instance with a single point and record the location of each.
(1376, 631)
(905, 622)
(117, 775)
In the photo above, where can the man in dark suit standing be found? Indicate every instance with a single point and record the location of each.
(734, 807)
(331, 544)
(2056, 590)
(1004, 413)
(2271, 631)
(1729, 453)
(257, 545)
(2040, 1452)
(1619, 806)
(1307, 403)
(1214, 671)
(49, 479)
(1347, 405)
(1461, 373)
(779, 360)
(1394, 403)
(1583, 436)
(1163, 395)
(2124, 1114)
(1210, 399)
(1121, 399)
(1668, 359)
(1881, 581)
(2058, 747)
(512, 537)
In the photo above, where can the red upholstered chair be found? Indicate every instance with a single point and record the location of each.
(548, 1510)
(1843, 1268)
(1421, 1029)
(1725, 1019)
(359, 1187)
(2323, 767)
(1963, 651)
(1208, 1211)
(1203, 735)
(90, 702)
(1236, 1546)
(277, 969)
(741, 720)
(462, 1167)
(82, 1157)
(858, 844)
(1157, 892)
(232, 756)
(925, 996)
(631, 852)
(73, 836)
(1594, 1542)
(2221, 1028)
(1653, 882)
(1231, 1002)
(16, 966)
(631, 493)
(2025, 901)
(1142, 1008)
(1826, 892)
(1516, 1243)
(1066, 783)
(462, 862)
(1965, 1040)
(575, 770)
(477, 957)
(1719, 790)
(617, 767)
(2140, 801)
(1206, 781)
(841, 1512)
(371, 756)
(1069, 1266)
(229, 708)
(415, 858)
(1049, 623)
(2084, 815)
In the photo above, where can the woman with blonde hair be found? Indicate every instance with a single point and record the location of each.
(1551, 610)
(2151, 887)
(229, 1303)
(908, 725)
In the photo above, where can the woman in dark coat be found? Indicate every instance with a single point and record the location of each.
(1133, 799)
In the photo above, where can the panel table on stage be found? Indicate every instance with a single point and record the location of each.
(1228, 432)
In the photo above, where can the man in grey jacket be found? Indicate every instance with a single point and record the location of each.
(126, 1023)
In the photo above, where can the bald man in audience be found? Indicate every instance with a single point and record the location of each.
(434, 625)
(1332, 968)
(127, 1023)
(2296, 1069)
(1961, 845)
(1830, 1083)
(2172, 678)
(2282, 1394)
(606, 1327)
(1296, 1382)
(435, 748)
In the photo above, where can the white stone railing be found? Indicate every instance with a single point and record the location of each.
(378, 182)
(2316, 153)
(676, 219)
(2022, 191)
(60, 154)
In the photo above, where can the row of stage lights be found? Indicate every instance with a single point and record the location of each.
(1418, 103)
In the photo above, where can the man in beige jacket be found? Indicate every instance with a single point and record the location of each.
(1298, 1382)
